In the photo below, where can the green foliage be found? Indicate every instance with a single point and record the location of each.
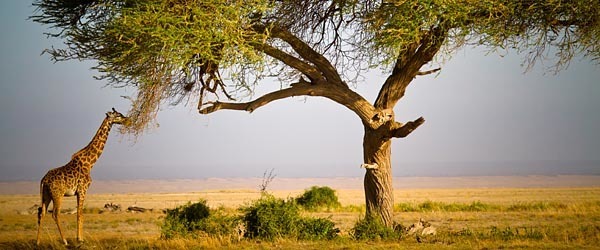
(528, 26)
(270, 218)
(219, 223)
(172, 49)
(171, 228)
(373, 229)
(192, 212)
(317, 229)
(318, 197)
(183, 219)
(171, 33)
(189, 219)
(163, 48)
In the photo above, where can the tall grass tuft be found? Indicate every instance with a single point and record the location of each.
(478, 206)
(374, 229)
(536, 206)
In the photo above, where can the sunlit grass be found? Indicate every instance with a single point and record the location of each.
(553, 218)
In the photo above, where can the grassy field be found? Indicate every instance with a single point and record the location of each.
(550, 218)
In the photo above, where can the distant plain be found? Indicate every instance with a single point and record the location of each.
(557, 212)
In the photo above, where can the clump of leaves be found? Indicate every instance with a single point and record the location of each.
(270, 218)
(316, 198)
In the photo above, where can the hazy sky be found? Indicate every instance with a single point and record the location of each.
(483, 116)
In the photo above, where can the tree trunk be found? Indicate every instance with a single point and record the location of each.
(379, 193)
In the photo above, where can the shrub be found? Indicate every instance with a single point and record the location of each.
(270, 218)
(318, 229)
(172, 228)
(318, 197)
(219, 223)
(188, 219)
(370, 228)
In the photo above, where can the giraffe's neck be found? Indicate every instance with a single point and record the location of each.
(90, 153)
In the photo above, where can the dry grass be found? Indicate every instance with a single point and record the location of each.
(553, 218)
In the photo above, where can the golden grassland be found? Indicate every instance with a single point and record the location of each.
(480, 218)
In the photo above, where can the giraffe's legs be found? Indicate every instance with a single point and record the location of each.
(41, 212)
(55, 216)
(80, 199)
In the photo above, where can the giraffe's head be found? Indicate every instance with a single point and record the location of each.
(116, 117)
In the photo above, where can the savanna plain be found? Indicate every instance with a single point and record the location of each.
(479, 217)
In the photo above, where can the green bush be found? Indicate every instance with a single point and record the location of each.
(189, 219)
(191, 213)
(318, 229)
(373, 229)
(172, 227)
(270, 218)
(219, 223)
(318, 197)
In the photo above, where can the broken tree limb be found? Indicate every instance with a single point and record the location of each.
(422, 73)
(404, 130)
(369, 166)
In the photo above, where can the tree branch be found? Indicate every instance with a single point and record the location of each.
(422, 73)
(298, 89)
(311, 72)
(309, 54)
(401, 131)
(345, 96)
(408, 65)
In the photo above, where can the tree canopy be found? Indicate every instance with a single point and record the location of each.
(205, 51)
(214, 51)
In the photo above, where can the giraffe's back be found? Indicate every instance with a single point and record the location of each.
(65, 180)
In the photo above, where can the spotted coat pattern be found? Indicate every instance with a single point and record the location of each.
(74, 178)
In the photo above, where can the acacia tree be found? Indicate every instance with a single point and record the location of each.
(212, 52)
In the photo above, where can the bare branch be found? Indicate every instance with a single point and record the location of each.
(422, 73)
(298, 89)
(342, 95)
(401, 131)
(267, 179)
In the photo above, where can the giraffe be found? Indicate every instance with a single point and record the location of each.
(74, 178)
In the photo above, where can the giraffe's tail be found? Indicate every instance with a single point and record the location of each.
(41, 212)
(41, 207)
(42, 191)
(45, 198)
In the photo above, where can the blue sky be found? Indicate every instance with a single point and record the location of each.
(483, 116)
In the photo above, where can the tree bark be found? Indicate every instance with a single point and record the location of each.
(379, 191)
